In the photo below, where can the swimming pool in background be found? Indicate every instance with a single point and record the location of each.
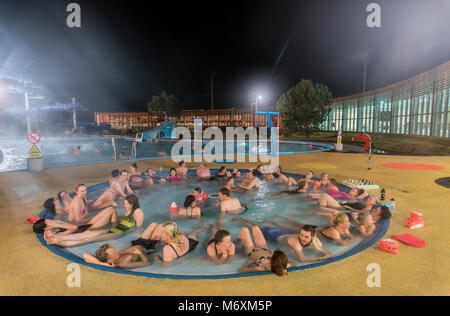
(262, 204)
(15, 150)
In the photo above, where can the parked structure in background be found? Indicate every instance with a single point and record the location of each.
(218, 117)
(416, 106)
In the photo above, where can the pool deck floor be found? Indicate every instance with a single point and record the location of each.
(28, 268)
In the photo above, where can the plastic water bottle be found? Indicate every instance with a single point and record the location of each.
(392, 202)
(383, 194)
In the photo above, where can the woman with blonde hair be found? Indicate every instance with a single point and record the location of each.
(178, 245)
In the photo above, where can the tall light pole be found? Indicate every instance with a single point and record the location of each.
(256, 107)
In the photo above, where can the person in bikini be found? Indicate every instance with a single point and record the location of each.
(177, 244)
(297, 241)
(134, 217)
(259, 254)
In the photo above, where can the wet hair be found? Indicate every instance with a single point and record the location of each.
(78, 147)
(50, 205)
(385, 213)
(198, 190)
(189, 200)
(171, 229)
(60, 194)
(310, 228)
(39, 226)
(123, 171)
(134, 165)
(181, 163)
(221, 234)
(339, 218)
(115, 173)
(133, 201)
(302, 184)
(359, 192)
(101, 253)
(79, 186)
(278, 262)
(173, 169)
(222, 168)
(363, 217)
(225, 191)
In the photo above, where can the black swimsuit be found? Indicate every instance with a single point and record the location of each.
(192, 245)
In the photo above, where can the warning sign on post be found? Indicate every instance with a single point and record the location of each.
(35, 152)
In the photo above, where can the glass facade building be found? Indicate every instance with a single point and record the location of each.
(417, 106)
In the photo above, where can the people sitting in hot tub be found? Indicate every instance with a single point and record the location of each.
(50, 227)
(230, 184)
(378, 213)
(223, 173)
(323, 184)
(236, 173)
(150, 176)
(182, 170)
(203, 172)
(134, 175)
(260, 257)
(301, 190)
(199, 195)
(249, 182)
(190, 209)
(118, 187)
(335, 193)
(327, 203)
(366, 225)
(131, 258)
(134, 217)
(291, 238)
(257, 171)
(55, 206)
(178, 245)
(338, 231)
(220, 249)
(229, 204)
(65, 200)
(173, 177)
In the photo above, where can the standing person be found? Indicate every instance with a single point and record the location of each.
(259, 254)
(297, 241)
(178, 245)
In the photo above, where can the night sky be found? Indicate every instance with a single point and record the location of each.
(125, 52)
